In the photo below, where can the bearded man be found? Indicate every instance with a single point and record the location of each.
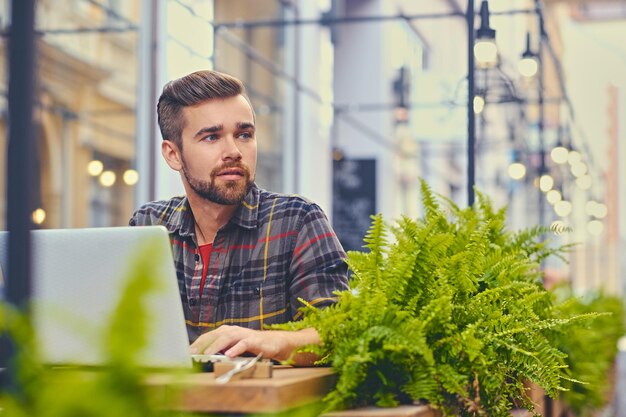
(243, 255)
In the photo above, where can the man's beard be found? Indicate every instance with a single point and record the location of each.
(229, 193)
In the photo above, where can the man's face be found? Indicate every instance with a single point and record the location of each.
(219, 149)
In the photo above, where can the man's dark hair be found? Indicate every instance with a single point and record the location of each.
(190, 90)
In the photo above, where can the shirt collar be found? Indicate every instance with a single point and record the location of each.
(246, 215)
(182, 219)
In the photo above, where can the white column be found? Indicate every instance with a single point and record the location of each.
(182, 43)
(314, 162)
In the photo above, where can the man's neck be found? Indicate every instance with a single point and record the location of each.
(209, 217)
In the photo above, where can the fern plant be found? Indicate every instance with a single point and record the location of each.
(450, 311)
(590, 349)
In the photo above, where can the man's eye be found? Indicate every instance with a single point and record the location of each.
(210, 138)
(245, 135)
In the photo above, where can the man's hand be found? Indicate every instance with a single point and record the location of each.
(273, 344)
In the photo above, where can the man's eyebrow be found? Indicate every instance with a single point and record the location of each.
(245, 125)
(209, 129)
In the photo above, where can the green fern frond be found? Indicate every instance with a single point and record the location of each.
(376, 239)
(433, 215)
(485, 206)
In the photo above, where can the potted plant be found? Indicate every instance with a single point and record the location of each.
(448, 309)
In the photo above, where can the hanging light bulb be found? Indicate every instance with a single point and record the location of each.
(595, 227)
(584, 182)
(486, 53)
(485, 49)
(595, 209)
(39, 216)
(590, 207)
(553, 196)
(130, 177)
(107, 178)
(517, 170)
(528, 65)
(95, 167)
(601, 210)
(579, 169)
(563, 208)
(479, 104)
(559, 154)
(574, 157)
(546, 182)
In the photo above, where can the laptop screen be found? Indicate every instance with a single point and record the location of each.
(78, 277)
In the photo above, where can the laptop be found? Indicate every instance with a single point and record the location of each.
(78, 276)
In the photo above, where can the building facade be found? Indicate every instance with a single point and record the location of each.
(85, 112)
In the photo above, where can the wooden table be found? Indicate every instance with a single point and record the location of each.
(288, 388)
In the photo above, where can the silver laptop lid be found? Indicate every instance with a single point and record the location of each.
(78, 278)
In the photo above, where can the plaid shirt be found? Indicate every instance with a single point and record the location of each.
(274, 250)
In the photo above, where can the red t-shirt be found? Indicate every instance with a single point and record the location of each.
(205, 252)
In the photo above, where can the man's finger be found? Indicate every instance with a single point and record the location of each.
(238, 349)
(202, 342)
(219, 344)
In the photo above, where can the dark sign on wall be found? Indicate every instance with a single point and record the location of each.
(354, 200)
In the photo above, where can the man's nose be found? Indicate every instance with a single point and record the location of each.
(231, 150)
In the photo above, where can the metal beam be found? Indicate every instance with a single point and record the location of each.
(239, 24)
(471, 117)
(80, 31)
(367, 107)
(512, 12)
(20, 161)
(542, 119)
(21, 148)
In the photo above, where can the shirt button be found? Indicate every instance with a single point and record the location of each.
(193, 301)
(197, 257)
(257, 291)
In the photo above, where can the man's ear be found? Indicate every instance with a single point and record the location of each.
(172, 155)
